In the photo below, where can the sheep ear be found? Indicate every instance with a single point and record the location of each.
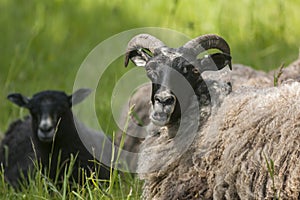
(214, 62)
(79, 95)
(139, 57)
(19, 99)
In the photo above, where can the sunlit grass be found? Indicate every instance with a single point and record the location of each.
(124, 186)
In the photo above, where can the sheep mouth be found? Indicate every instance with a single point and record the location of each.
(46, 135)
(160, 119)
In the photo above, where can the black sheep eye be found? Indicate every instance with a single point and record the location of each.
(170, 100)
(151, 66)
(157, 99)
(153, 71)
(153, 75)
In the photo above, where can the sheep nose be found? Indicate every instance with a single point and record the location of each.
(46, 124)
(166, 100)
(45, 128)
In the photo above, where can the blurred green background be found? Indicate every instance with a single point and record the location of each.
(43, 43)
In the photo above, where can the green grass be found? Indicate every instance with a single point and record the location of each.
(119, 186)
(43, 44)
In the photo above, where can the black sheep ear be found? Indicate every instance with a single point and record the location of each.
(19, 99)
(78, 96)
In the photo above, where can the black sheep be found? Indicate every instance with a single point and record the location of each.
(55, 135)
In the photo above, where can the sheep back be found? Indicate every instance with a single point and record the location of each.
(226, 160)
(259, 126)
(19, 160)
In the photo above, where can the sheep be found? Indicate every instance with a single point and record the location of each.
(240, 76)
(16, 152)
(182, 65)
(56, 134)
(226, 157)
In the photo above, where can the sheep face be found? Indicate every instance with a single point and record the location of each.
(175, 73)
(47, 108)
(170, 76)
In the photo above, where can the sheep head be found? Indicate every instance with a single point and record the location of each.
(172, 69)
(47, 108)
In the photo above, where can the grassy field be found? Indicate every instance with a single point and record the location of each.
(43, 44)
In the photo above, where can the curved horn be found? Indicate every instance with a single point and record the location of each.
(141, 41)
(209, 41)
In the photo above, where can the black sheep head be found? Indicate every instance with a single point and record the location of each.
(175, 73)
(47, 108)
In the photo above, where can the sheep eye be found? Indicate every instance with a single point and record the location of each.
(157, 99)
(170, 100)
(151, 66)
(152, 74)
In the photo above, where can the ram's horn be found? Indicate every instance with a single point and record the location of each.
(142, 41)
(209, 41)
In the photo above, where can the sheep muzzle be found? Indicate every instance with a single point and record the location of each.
(46, 129)
(46, 136)
(163, 107)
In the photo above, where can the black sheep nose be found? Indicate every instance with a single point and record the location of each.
(168, 100)
(46, 128)
(46, 124)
